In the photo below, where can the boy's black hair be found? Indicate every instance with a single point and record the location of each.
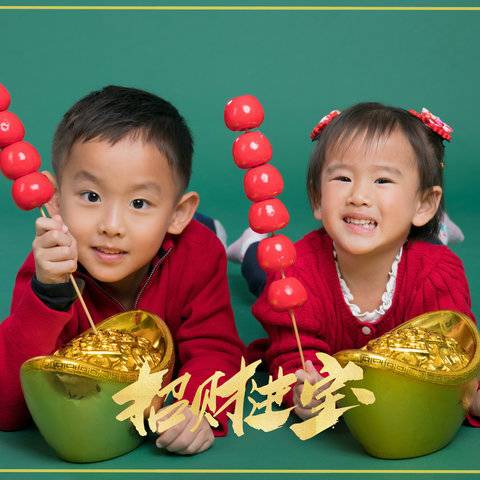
(114, 113)
(374, 121)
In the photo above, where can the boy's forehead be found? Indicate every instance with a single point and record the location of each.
(131, 161)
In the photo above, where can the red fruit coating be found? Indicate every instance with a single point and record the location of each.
(268, 216)
(243, 113)
(11, 129)
(262, 183)
(4, 98)
(286, 294)
(251, 150)
(276, 253)
(19, 159)
(32, 190)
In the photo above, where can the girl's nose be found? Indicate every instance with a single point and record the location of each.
(111, 223)
(359, 196)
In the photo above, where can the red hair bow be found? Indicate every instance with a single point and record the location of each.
(434, 123)
(323, 123)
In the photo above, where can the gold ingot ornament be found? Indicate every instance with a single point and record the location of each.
(69, 393)
(424, 375)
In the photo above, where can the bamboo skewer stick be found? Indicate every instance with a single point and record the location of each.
(77, 290)
(295, 329)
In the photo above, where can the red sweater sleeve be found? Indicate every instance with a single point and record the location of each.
(30, 330)
(207, 338)
(282, 350)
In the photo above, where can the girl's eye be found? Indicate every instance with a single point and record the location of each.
(383, 180)
(342, 179)
(91, 197)
(139, 203)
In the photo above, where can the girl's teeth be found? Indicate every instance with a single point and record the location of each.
(359, 222)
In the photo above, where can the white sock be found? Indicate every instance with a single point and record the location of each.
(450, 232)
(221, 232)
(236, 251)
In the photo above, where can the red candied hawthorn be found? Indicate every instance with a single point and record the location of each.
(286, 294)
(268, 216)
(243, 113)
(19, 159)
(32, 191)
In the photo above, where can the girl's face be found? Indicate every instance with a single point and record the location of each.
(370, 195)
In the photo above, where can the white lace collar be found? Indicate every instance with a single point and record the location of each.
(387, 296)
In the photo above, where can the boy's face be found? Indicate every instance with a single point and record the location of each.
(118, 202)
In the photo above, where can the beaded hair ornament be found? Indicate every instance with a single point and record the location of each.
(426, 117)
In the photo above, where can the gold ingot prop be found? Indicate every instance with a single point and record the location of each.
(423, 374)
(69, 393)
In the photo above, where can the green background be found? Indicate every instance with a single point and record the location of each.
(301, 65)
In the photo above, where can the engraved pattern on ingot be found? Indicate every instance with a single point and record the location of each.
(422, 349)
(112, 350)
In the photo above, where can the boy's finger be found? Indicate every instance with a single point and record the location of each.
(183, 439)
(196, 444)
(43, 224)
(62, 268)
(59, 254)
(55, 238)
(168, 436)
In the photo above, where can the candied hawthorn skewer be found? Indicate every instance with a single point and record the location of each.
(262, 183)
(20, 161)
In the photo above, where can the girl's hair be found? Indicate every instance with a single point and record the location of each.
(374, 121)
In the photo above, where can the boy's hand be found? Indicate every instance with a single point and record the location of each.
(179, 439)
(54, 249)
(311, 375)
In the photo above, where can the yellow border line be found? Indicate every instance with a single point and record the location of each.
(233, 470)
(236, 8)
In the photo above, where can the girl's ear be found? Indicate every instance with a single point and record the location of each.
(184, 212)
(317, 212)
(427, 206)
(53, 205)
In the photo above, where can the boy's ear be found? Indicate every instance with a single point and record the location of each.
(427, 206)
(53, 205)
(184, 211)
(317, 213)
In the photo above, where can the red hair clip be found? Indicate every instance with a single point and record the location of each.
(323, 123)
(434, 123)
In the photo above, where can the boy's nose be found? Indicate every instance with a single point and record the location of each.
(111, 224)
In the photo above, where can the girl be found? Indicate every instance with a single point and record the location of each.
(375, 182)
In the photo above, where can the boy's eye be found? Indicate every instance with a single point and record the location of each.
(139, 203)
(341, 178)
(91, 197)
(383, 180)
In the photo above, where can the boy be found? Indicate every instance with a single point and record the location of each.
(121, 220)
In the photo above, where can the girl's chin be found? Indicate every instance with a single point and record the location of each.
(355, 247)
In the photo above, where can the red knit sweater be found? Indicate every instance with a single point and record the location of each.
(187, 287)
(430, 277)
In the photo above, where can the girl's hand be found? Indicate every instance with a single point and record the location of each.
(180, 439)
(311, 375)
(54, 249)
